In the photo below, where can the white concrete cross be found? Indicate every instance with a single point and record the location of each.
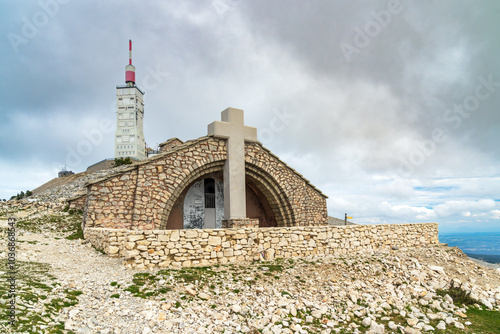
(233, 129)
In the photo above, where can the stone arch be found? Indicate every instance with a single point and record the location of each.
(267, 185)
(270, 188)
(208, 168)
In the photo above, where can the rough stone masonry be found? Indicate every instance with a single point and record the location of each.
(162, 248)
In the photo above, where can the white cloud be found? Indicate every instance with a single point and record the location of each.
(405, 211)
(495, 214)
(458, 207)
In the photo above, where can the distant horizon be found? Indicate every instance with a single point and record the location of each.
(472, 233)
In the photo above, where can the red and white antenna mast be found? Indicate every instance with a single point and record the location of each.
(130, 52)
(130, 69)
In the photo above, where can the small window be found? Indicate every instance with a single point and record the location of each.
(209, 193)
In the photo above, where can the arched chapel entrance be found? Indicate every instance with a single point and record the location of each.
(201, 205)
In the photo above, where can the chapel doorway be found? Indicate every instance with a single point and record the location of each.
(204, 205)
(209, 203)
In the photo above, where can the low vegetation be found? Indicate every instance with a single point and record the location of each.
(22, 195)
(68, 226)
(122, 161)
(35, 285)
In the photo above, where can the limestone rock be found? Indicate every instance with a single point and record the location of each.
(366, 322)
(412, 321)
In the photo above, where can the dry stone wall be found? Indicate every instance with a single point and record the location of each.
(184, 248)
(77, 203)
(169, 144)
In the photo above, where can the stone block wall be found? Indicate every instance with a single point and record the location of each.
(169, 144)
(184, 248)
(77, 203)
(240, 223)
(111, 202)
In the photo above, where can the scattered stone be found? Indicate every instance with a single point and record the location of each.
(441, 325)
(392, 325)
(486, 303)
(203, 296)
(366, 322)
(409, 330)
(412, 321)
(437, 269)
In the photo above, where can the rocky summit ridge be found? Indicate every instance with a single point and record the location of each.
(63, 188)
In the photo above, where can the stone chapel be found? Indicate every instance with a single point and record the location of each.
(222, 180)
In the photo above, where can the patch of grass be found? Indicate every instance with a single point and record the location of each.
(98, 250)
(77, 234)
(272, 267)
(483, 322)
(190, 275)
(116, 295)
(145, 285)
(57, 222)
(35, 286)
(133, 289)
(113, 283)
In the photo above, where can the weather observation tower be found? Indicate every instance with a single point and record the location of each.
(129, 136)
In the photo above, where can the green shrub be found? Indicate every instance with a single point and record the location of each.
(458, 295)
(122, 161)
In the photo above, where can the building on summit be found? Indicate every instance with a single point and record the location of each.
(224, 179)
(129, 136)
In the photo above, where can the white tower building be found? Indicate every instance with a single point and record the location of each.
(129, 136)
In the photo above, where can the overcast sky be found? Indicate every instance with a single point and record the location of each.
(390, 108)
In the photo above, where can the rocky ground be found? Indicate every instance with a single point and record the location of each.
(61, 193)
(66, 286)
